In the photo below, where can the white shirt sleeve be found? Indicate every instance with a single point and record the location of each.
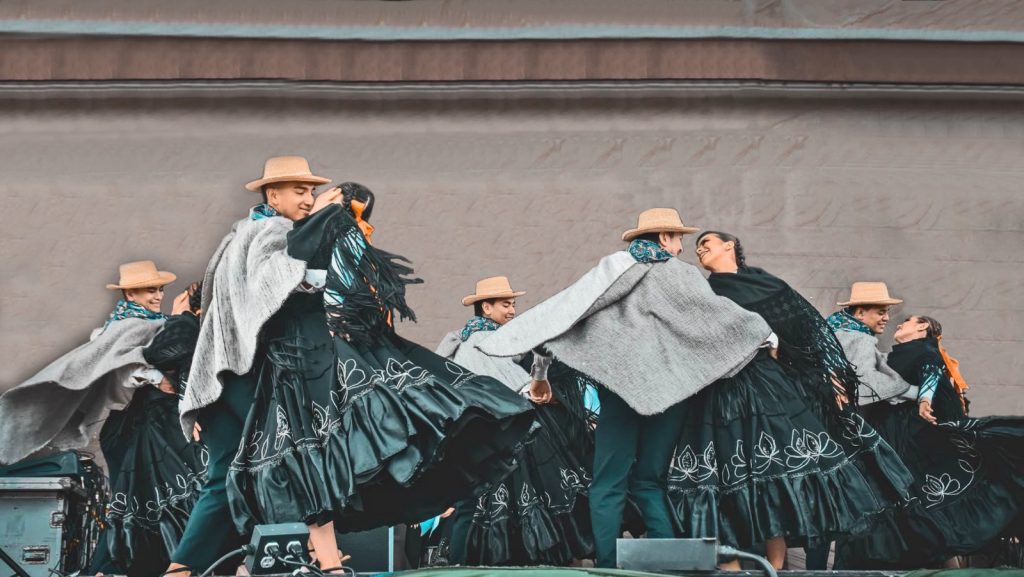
(146, 376)
(314, 281)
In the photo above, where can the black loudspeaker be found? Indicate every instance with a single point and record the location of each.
(372, 551)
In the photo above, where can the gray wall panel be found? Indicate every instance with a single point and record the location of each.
(922, 194)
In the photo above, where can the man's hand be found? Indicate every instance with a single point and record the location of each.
(448, 513)
(332, 196)
(924, 410)
(540, 392)
(180, 304)
(165, 386)
(196, 429)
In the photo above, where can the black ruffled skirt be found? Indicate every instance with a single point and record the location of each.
(969, 480)
(366, 436)
(539, 515)
(754, 463)
(156, 475)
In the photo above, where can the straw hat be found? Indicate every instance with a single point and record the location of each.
(286, 169)
(658, 220)
(142, 274)
(495, 287)
(870, 293)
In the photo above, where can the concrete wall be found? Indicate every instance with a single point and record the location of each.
(922, 193)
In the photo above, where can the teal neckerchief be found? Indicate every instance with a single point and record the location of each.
(261, 211)
(648, 251)
(129, 310)
(477, 324)
(843, 321)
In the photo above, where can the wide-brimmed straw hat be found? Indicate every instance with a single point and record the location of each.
(658, 220)
(870, 293)
(286, 169)
(142, 274)
(495, 287)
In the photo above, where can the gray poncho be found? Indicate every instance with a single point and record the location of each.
(468, 356)
(248, 280)
(653, 334)
(879, 382)
(64, 405)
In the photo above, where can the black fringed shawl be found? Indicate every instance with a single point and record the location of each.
(365, 285)
(172, 348)
(807, 346)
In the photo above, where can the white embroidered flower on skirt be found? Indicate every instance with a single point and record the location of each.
(459, 374)
(571, 480)
(807, 447)
(766, 453)
(687, 465)
(856, 429)
(938, 488)
(399, 376)
(500, 501)
(284, 431)
(527, 497)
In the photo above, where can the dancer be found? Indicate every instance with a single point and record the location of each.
(156, 474)
(646, 328)
(774, 456)
(967, 471)
(335, 418)
(107, 387)
(538, 515)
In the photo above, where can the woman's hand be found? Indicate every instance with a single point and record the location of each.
(180, 303)
(165, 386)
(332, 196)
(540, 392)
(924, 410)
(196, 429)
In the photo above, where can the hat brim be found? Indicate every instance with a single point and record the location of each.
(635, 232)
(257, 184)
(879, 302)
(471, 299)
(163, 278)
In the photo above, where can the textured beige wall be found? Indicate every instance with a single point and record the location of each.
(924, 194)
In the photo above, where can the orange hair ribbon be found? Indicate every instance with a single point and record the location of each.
(953, 370)
(367, 228)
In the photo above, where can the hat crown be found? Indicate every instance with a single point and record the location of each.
(870, 292)
(658, 220)
(140, 271)
(279, 166)
(493, 285)
(492, 288)
(653, 217)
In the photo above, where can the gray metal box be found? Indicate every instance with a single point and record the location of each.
(33, 513)
(667, 554)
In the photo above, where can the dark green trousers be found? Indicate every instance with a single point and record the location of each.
(631, 455)
(210, 532)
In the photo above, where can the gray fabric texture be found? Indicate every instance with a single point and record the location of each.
(879, 382)
(653, 334)
(466, 355)
(248, 280)
(64, 405)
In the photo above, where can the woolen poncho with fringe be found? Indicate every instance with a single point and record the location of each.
(652, 333)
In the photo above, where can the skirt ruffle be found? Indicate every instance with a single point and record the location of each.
(967, 475)
(373, 436)
(755, 462)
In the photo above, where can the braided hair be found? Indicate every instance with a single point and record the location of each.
(741, 259)
(195, 296)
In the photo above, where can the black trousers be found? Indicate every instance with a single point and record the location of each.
(210, 532)
(631, 456)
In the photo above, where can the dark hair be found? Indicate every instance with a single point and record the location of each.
(354, 191)
(741, 259)
(195, 296)
(478, 306)
(651, 236)
(934, 330)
